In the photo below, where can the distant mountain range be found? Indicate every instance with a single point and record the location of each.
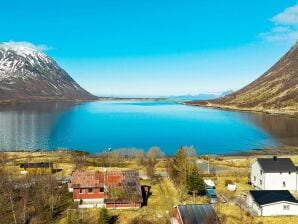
(275, 91)
(200, 96)
(28, 74)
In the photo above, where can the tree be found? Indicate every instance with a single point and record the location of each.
(194, 181)
(150, 168)
(153, 154)
(140, 157)
(190, 151)
(78, 159)
(47, 195)
(180, 165)
(26, 190)
(7, 192)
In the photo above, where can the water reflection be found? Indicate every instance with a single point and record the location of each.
(283, 129)
(28, 125)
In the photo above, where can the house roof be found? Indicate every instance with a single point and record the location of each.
(87, 179)
(127, 183)
(198, 213)
(277, 165)
(264, 197)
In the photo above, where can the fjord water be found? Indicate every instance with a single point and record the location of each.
(96, 126)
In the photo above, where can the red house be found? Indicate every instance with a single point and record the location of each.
(110, 189)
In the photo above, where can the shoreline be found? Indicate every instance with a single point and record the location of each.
(282, 150)
(291, 114)
(19, 101)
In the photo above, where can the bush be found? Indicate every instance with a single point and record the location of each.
(228, 181)
(104, 217)
(138, 220)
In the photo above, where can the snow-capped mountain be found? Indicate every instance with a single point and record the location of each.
(27, 73)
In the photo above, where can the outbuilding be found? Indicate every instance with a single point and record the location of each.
(272, 203)
(196, 213)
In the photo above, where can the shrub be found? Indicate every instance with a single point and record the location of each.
(228, 181)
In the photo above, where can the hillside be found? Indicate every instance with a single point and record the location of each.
(275, 91)
(28, 74)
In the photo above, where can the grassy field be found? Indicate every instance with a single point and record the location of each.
(164, 194)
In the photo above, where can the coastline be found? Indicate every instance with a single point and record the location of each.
(44, 100)
(281, 150)
(288, 113)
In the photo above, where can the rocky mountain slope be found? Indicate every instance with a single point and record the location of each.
(275, 91)
(28, 74)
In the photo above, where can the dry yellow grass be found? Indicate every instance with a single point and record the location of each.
(164, 193)
(232, 214)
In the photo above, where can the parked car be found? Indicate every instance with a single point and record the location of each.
(211, 195)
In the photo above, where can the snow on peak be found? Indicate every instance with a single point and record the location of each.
(20, 58)
(12, 45)
(24, 49)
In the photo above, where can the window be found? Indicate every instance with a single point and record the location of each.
(261, 172)
(81, 191)
(286, 207)
(284, 184)
(90, 190)
(261, 182)
(101, 189)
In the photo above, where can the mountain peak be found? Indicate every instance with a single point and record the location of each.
(27, 73)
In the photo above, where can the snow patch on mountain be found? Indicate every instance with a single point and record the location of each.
(29, 72)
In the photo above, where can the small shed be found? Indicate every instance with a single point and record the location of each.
(196, 213)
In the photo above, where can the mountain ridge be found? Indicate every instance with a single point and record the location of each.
(275, 91)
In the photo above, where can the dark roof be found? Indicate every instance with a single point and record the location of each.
(277, 165)
(36, 165)
(199, 214)
(264, 197)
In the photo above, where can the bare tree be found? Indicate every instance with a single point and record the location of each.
(26, 192)
(153, 155)
(6, 187)
(140, 157)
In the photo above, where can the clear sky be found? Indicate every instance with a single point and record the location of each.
(156, 47)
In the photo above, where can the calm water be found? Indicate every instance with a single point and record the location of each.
(95, 126)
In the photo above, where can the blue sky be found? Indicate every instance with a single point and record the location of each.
(156, 47)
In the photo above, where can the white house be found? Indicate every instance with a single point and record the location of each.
(274, 174)
(272, 202)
